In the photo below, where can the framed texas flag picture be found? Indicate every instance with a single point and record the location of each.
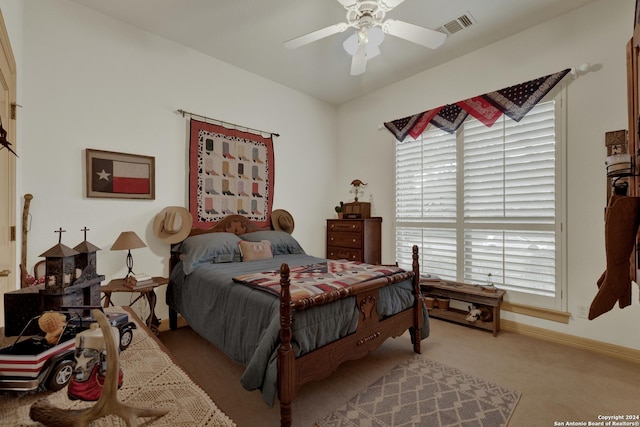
(120, 175)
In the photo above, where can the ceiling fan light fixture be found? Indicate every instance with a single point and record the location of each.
(374, 38)
(367, 17)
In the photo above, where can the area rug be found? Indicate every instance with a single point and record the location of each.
(421, 392)
(151, 379)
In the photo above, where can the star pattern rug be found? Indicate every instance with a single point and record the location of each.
(421, 392)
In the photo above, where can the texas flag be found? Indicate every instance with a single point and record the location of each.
(113, 176)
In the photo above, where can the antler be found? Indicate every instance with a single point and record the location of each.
(108, 402)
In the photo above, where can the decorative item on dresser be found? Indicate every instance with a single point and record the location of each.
(356, 209)
(355, 239)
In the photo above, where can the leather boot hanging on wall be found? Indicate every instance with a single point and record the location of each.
(621, 227)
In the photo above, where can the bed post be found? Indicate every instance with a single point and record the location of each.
(286, 356)
(417, 307)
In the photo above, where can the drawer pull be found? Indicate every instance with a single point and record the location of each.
(354, 240)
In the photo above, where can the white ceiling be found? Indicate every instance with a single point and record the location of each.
(249, 34)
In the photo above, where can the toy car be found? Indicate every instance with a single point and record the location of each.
(33, 363)
(117, 320)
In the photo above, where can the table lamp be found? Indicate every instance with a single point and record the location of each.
(128, 240)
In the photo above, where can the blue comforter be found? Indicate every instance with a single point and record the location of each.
(243, 321)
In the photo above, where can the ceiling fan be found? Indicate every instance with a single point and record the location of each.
(367, 18)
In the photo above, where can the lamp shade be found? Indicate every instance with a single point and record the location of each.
(127, 240)
(374, 38)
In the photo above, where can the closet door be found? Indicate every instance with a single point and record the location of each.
(9, 277)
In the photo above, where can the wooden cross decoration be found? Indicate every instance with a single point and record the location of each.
(60, 230)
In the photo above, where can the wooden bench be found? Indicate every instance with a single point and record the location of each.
(478, 295)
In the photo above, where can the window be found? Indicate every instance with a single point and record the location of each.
(485, 204)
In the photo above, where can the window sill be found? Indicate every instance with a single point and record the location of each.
(542, 313)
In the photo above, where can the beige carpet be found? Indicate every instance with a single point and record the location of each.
(421, 392)
(558, 383)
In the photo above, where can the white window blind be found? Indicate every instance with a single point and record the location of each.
(482, 204)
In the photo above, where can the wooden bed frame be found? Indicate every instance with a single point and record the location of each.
(371, 331)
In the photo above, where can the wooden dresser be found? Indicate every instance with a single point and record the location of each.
(355, 239)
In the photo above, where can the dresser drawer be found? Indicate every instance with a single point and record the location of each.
(355, 239)
(344, 253)
(347, 240)
(345, 225)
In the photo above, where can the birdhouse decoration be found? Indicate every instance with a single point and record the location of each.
(86, 263)
(60, 265)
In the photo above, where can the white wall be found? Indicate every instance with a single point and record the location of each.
(93, 82)
(597, 103)
(88, 81)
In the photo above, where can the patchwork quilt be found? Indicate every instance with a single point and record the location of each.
(314, 279)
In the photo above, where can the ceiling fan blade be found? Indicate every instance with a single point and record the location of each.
(387, 5)
(347, 3)
(315, 35)
(414, 33)
(372, 51)
(359, 60)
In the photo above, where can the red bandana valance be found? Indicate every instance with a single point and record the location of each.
(514, 101)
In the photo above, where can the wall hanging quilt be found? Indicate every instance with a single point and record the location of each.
(230, 172)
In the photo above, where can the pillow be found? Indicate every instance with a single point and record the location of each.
(282, 243)
(252, 251)
(207, 248)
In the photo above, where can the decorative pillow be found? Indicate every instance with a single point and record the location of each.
(252, 251)
(282, 242)
(207, 248)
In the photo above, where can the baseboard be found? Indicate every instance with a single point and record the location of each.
(617, 351)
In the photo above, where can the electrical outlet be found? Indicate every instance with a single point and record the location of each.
(583, 311)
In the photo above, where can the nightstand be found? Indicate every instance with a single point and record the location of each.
(117, 285)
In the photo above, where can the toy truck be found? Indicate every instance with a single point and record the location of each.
(33, 363)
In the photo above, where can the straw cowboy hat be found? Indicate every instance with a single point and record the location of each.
(172, 224)
(282, 220)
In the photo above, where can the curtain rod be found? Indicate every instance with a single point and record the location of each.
(222, 122)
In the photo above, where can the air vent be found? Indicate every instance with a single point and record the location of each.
(458, 24)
